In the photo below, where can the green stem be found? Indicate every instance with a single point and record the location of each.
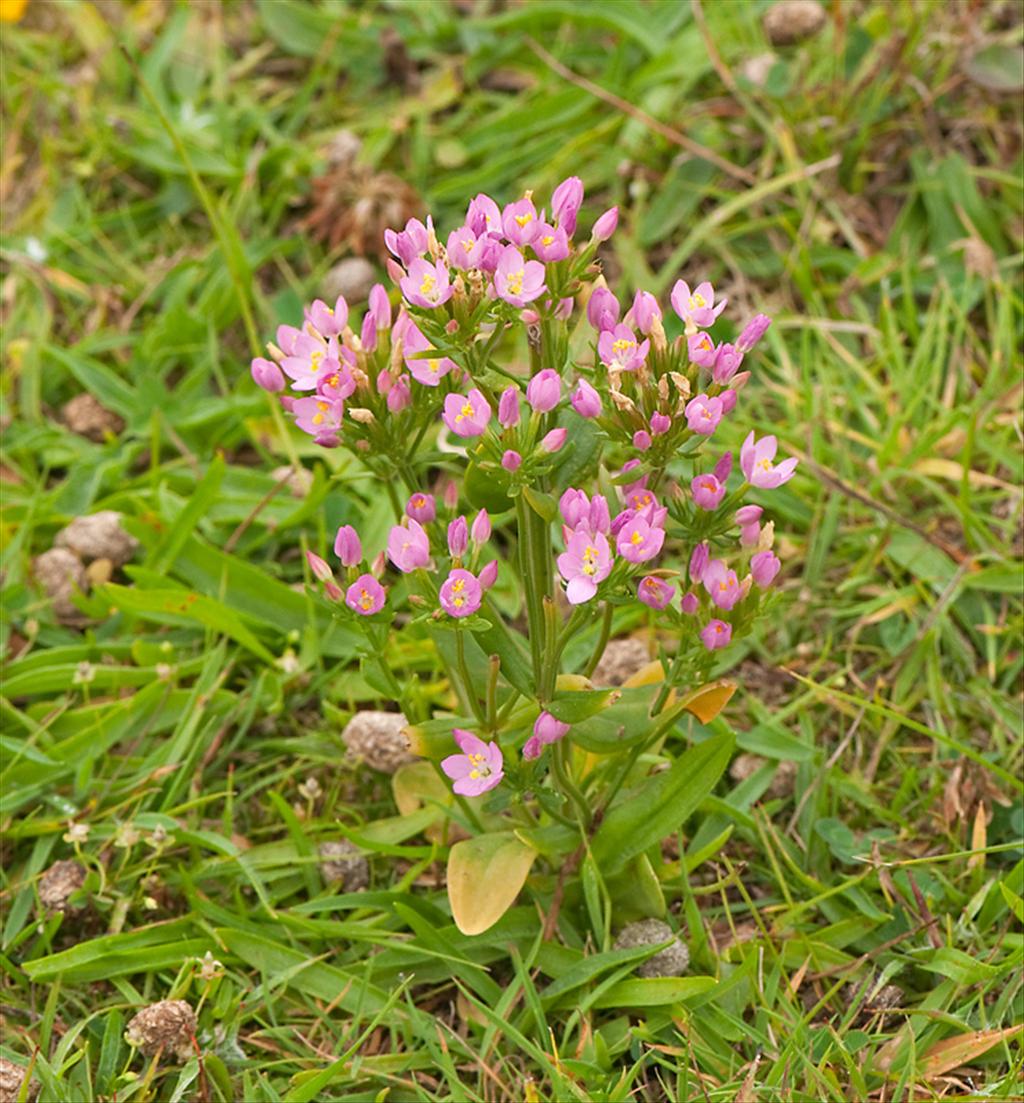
(466, 678)
(460, 800)
(494, 669)
(602, 640)
(534, 612)
(562, 772)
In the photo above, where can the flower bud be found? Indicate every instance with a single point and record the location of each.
(422, 508)
(549, 730)
(602, 309)
(660, 424)
(267, 375)
(489, 575)
(532, 748)
(641, 440)
(645, 312)
(379, 306)
(753, 331)
(727, 363)
(394, 270)
(554, 440)
(400, 395)
(508, 407)
(544, 390)
(321, 571)
(566, 201)
(368, 333)
(481, 529)
(564, 309)
(347, 546)
(654, 592)
(699, 559)
(728, 398)
(690, 604)
(511, 460)
(764, 566)
(723, 468)
(605, 226)
(458, 537)
(585, 400)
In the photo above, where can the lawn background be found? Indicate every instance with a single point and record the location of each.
(864, 187)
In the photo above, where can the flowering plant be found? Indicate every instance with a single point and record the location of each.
(534, 512)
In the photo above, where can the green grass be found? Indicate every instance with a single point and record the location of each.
(144, 223)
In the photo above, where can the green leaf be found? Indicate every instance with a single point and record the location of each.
(544, 505)
(485, 875)
(645, 992)
(661, 805)
(619, 725)
(999, 67)
(573, 707)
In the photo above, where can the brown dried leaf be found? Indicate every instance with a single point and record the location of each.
(951, 1053)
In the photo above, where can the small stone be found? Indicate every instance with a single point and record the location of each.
(352, 277)
(620, 661)
(58, 883)
(781, 785)
(98, 536)
(298, 480)
(670, 962)
(792, 21)
(342, 861)
(167, 1027)
(60, 573)
(756, 68)
(88, 417)
(12, 1076)
(344, 147)
(376, 738)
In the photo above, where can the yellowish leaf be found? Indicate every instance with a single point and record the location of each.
(647, 675)
(951, 1053)
(954, 472)
(708, 701)
(485, 875)
(979, 836)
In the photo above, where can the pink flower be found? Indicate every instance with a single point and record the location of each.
(574, 506)
(654, 591)
(619, 350)
(723, 468)
(697, 307)
(511, 460)
(458, 537)
(660, 424)
(518, 281)
(690, 603)
(585, 400)
(480, 531)
(489, 575)
(728, 397)
(550, 244)
(347, 546)
(553, 441)
(366, 595)
(602, 309)
(464, 248)
(764, 566)
(320, 417)
(716, 634)
(641, 440)
(321, 571)
(307, 359)
(548, 729)
(519, 222)
(586, 561)
(703, 414)
(477, 769)
(644, 312)
(467, 415)
(640, 498)
(727, 363)
(410, 243)
(753, 331)
(638, 541)
(328, 321)
(461, 593)
(408, 546)
(701, 349)
(428, 370)
(708, 492)
(336, 380)
(699, 559)
(426, 284)
(749, 518)
(483, 215)
(721, 584)
(605, 226)
(286, 338)
(422, 508)
(508, 408)
(544, 390)
(566, 201)
(756, 462)
(267, 375)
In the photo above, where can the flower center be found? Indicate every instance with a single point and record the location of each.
(466, 411)
(548, 239)
(697, 301)
(480, 766)
(428, 284)
(515, 282)
(589, 560)
(523, 219)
